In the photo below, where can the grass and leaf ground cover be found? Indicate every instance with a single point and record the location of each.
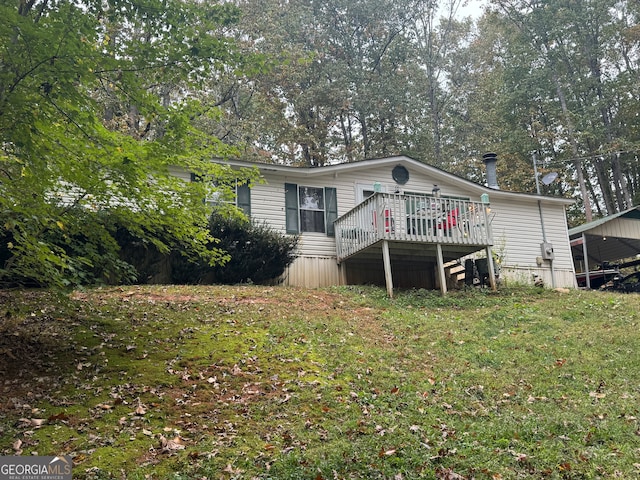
(171, 382)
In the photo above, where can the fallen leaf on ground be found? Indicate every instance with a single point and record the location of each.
(171, 444)
(229, 469)
(140, 410)
(58, 417)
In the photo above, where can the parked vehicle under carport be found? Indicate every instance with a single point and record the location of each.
(598, 278)
(605, 275)
(625, 284)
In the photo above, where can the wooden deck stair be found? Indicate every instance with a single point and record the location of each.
(455, 273)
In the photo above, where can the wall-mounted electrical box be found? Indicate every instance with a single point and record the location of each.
(546, 249)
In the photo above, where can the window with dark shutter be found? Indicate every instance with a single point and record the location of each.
(242, 198)
(310, 209)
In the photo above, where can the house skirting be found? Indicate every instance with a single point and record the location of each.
(562, 277)
(315, 272)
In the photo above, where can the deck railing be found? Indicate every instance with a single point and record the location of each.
(412, 218)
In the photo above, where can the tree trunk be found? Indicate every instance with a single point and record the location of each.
(366, 147)
(605, 185)
(577, 161)
(594, 196)
(620, 183)
(347, 135)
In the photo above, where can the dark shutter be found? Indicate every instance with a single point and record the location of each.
(331, 208)
(243, 198)
(291, 207)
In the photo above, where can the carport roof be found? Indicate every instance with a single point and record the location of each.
(609, 239)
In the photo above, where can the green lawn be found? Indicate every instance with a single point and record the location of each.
(273, 382)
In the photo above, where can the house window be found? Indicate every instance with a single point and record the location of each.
(241, 191)
(310, 209)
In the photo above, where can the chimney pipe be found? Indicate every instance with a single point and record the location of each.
(490, 160)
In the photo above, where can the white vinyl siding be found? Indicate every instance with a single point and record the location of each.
(517, 230)
(517, 235)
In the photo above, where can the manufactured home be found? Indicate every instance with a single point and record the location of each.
(402, 223)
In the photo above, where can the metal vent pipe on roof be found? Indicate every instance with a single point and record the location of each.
(490, 160)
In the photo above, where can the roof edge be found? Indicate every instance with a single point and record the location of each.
(601, 221)
(312, 171)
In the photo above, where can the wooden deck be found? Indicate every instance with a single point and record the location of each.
(413, 220)
(418, 226)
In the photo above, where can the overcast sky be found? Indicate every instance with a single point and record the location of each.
(473, 8)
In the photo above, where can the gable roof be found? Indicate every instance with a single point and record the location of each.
(437, 174)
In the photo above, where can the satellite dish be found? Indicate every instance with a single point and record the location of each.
(549, 178)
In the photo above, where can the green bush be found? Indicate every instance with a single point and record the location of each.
(110, 253)
(258, 254)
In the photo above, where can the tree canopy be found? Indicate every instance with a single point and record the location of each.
(96, 112)
(554, 79)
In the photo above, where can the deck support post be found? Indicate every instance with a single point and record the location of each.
(492, 272)
(441, 275)
(386, 259)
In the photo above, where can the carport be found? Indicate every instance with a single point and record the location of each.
(609, 240)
